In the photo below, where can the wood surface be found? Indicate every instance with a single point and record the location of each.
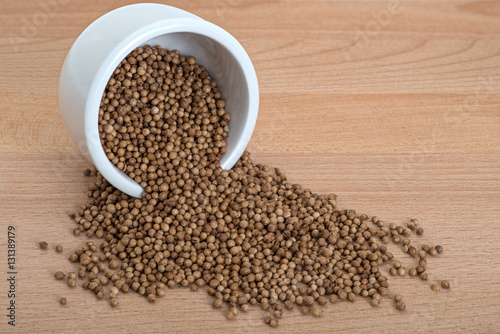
(400, 118)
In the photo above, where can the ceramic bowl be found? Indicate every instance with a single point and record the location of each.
(108, 40)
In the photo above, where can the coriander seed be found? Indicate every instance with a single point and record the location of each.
(72, 282)
(59, 275)
(230, 315)
(316, 311)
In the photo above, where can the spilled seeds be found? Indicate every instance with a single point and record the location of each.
(246, 236)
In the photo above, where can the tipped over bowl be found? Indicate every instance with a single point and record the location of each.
(108, 40)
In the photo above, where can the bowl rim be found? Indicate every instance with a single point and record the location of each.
(193, 25)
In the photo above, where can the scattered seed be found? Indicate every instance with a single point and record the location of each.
(316, 311)
(62, 301)
(59, 275)
(248, 234)
(445, 284)
(43, 245)
(230, 315)
(217, 303)
(72, 282)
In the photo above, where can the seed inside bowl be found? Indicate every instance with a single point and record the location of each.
(247, 236)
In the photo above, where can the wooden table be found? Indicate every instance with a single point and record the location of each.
(393, 106)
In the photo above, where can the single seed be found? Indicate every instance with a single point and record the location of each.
(59, 248)
(445, 284)
(72, 282)
(230, 315)
(435, 287)
(43, 245)
(439, 249)
(400, 306)
(62, 301)
(113, 302)
(398, 298)
(322, 300)
(217, 303)
(412, 251)
(87, 172)
(59, 275)
(316, 311)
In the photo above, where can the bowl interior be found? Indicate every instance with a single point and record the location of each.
(231, 81)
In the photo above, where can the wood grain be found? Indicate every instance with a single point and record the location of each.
(402, 123)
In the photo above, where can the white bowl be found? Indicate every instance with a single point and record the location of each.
(102, 46)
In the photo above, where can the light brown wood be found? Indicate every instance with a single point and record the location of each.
(402, 124)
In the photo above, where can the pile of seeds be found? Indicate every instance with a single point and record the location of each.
(248, 235)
